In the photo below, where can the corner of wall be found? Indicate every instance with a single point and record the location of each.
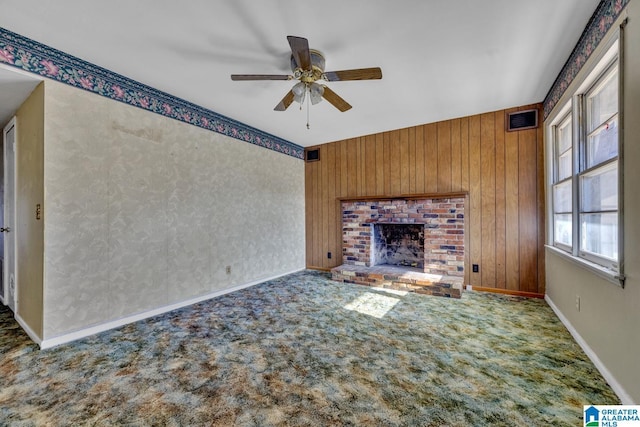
(30, 193)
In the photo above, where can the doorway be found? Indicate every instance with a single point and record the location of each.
(8, 289)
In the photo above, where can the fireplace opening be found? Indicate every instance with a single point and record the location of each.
(398, 244)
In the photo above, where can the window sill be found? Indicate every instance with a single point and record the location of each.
(604, 273)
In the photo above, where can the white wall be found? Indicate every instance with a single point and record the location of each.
(144, 211)
(609, 316)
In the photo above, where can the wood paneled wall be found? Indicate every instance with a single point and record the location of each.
(501, 171)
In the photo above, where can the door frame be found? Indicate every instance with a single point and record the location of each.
(5, 130)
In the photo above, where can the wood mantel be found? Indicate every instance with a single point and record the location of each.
(405, 196)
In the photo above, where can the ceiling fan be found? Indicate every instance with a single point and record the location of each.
(307, 66)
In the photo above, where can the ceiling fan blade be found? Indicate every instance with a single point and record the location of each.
(286, 101)
(335, 100)
(357, 74)
(300, 51)
(240, 77)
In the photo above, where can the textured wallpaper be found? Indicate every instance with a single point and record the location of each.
(142, 211)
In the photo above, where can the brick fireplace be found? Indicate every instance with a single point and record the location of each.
(404, 236)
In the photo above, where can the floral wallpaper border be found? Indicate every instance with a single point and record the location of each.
(34, 57)
(601, 21)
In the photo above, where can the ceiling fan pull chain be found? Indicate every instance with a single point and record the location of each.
(308, 109)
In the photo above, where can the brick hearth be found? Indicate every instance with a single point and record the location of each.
(400, 278)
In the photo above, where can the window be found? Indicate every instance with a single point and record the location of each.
(598, 179)
(585, 169)
(563, 184)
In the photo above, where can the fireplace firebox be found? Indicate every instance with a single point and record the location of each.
(398, 244)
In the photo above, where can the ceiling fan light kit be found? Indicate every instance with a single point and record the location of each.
(307, 66)
(315, 92)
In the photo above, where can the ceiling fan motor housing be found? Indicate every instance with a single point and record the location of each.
(317, 67)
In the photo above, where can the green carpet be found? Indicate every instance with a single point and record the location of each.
(305, 351)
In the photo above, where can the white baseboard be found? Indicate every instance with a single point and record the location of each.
(34, 337)
(66, 338)
(625, 398)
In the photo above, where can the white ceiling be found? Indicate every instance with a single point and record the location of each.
(440, 59)
(14, 89)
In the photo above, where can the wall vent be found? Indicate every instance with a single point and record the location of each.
(312, 155)
(522, 120)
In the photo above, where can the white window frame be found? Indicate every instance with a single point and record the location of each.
(558, 180)
(575, 109)
(586, 170)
